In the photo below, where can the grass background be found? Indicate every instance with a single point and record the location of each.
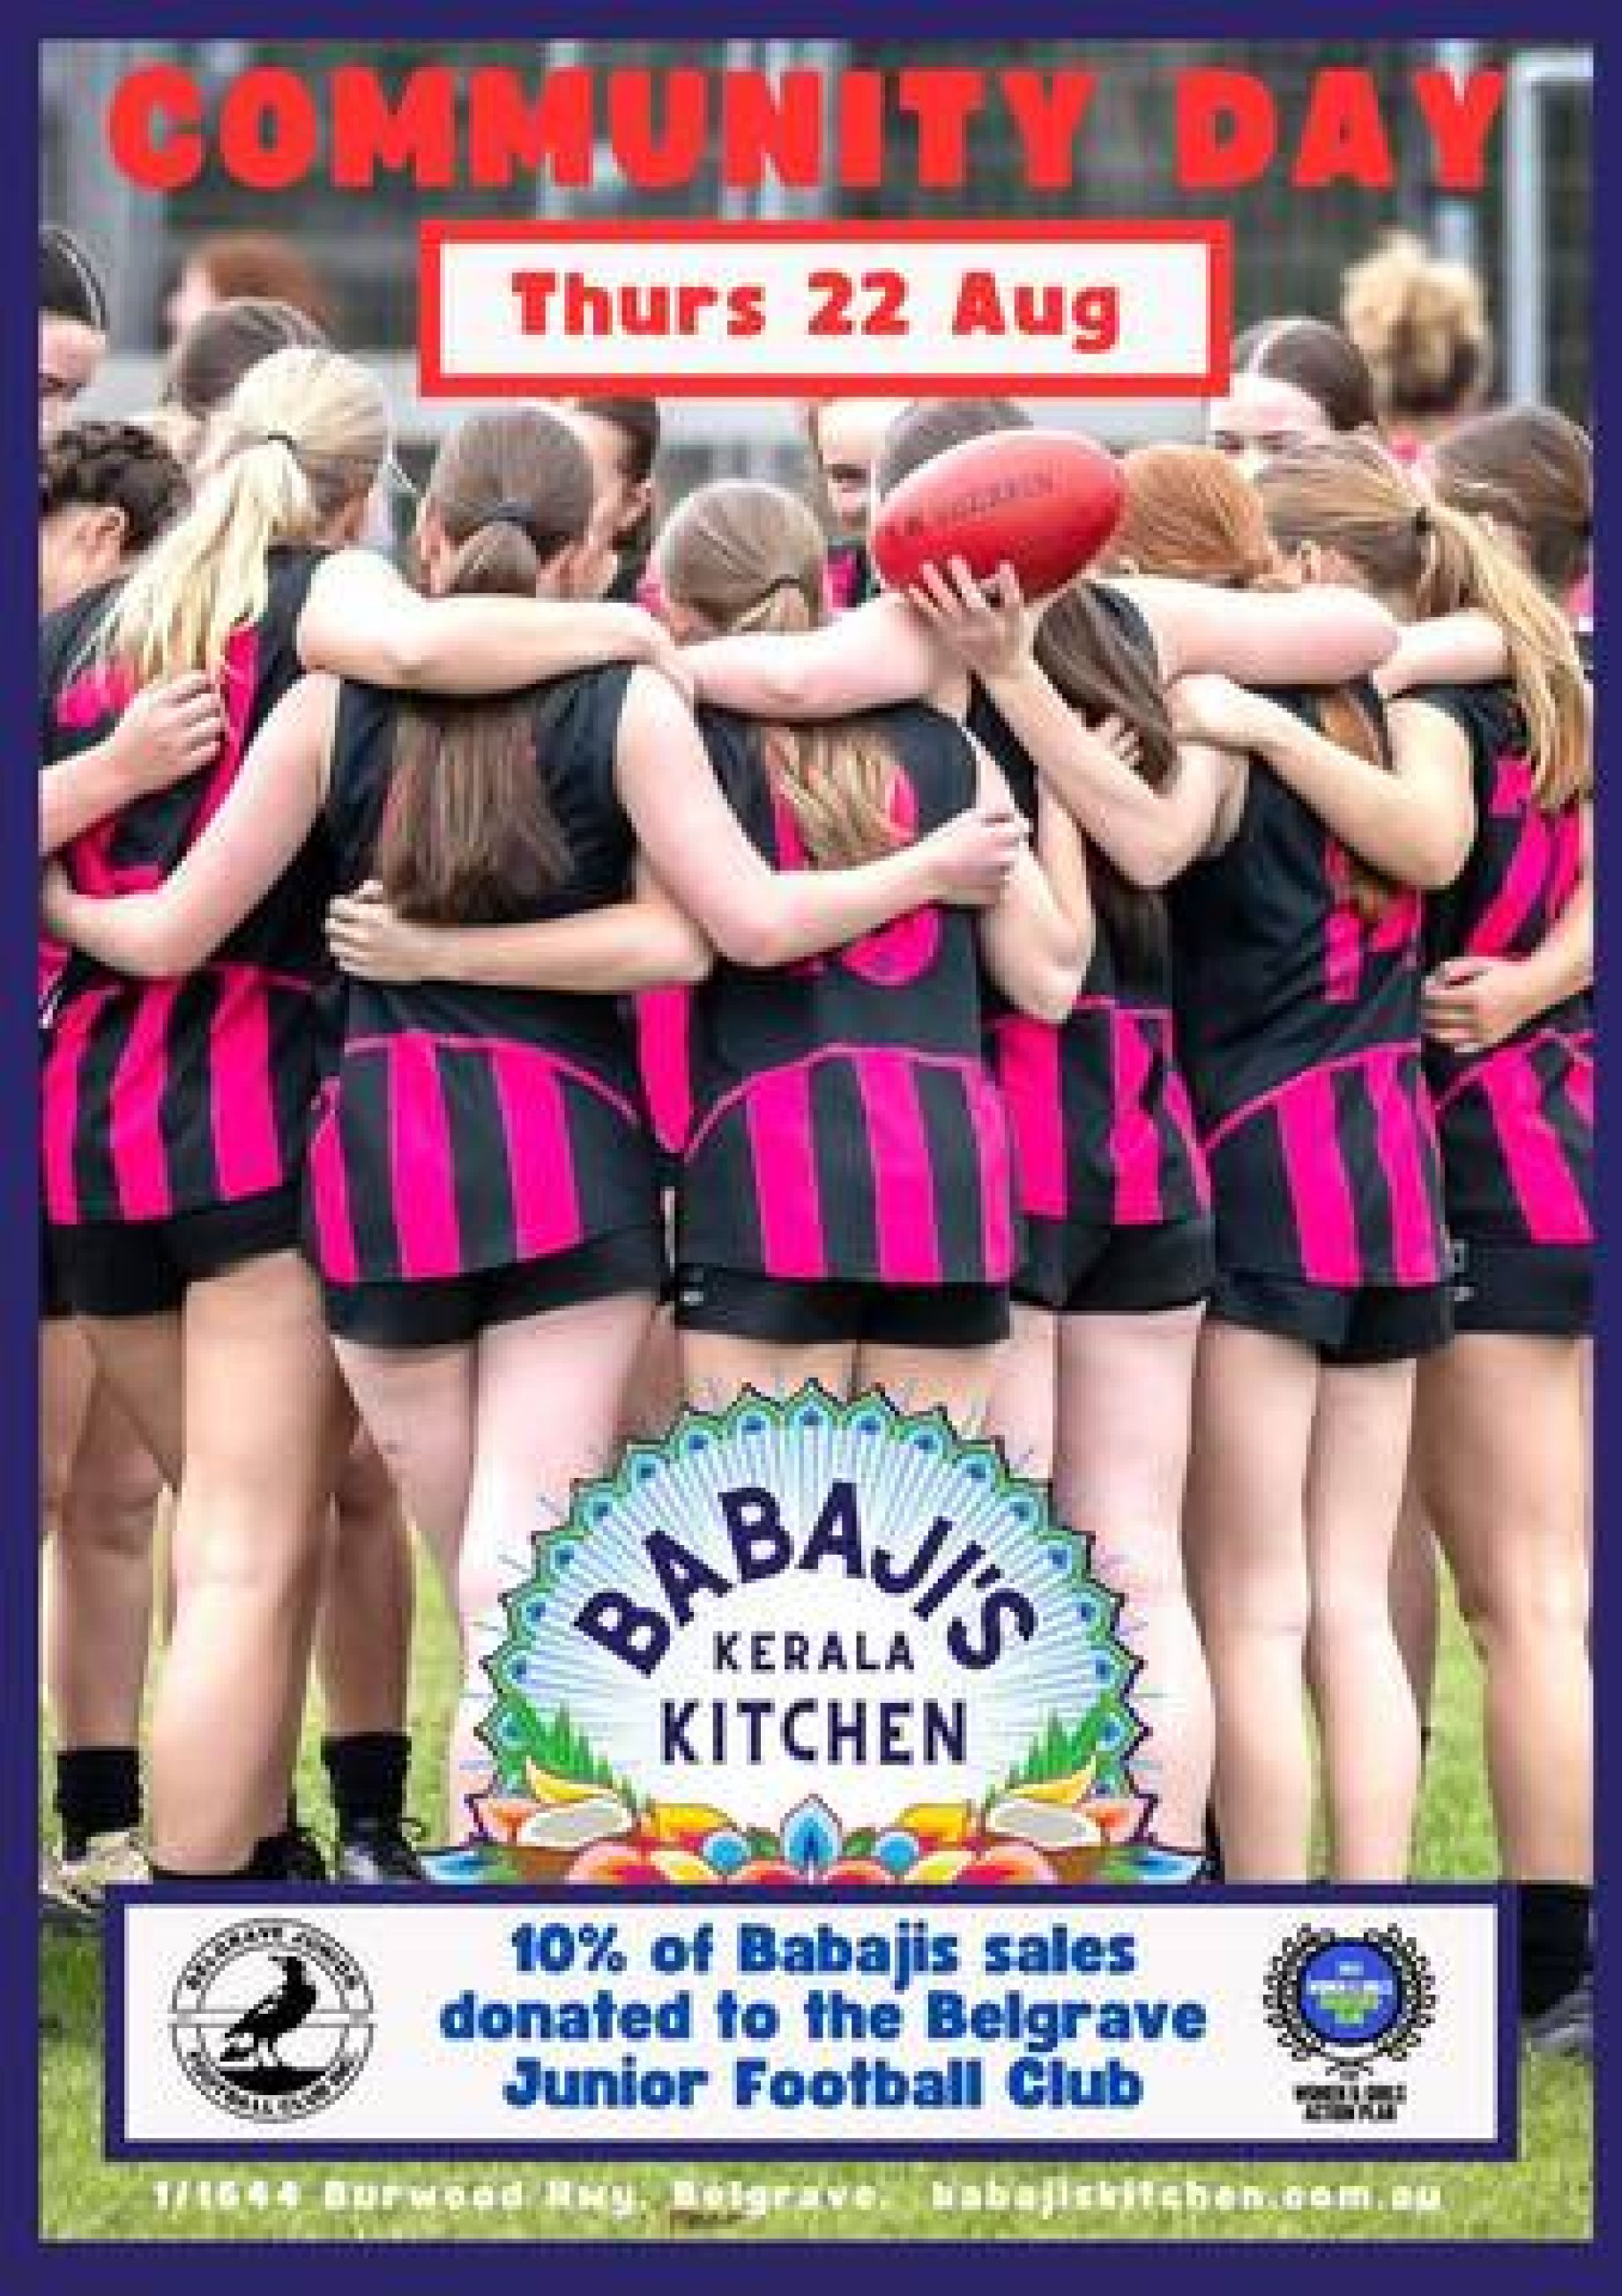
(1547, 2194)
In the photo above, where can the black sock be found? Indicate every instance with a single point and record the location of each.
(1213, 1845)
(98, 1791)
(367, 1773)
(1554, 1941)
(269, 1859)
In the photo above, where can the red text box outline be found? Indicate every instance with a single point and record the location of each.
(1216, 237)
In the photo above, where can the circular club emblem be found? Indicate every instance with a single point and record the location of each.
(1351, 1999)
(272, 2020)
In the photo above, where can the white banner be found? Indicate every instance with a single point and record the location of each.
(873, 2019)
(757, 308)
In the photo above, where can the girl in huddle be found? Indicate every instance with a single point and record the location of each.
(845, 1208)
(1526, 473)
(1095, 1386)
(219, 347)
(621, 437)
(364, 1629)
(1498, 1449)
(1297, 995)
(482, 1188)
(845, 436)
(1292, 380)
(106, 491)
(174, 1109)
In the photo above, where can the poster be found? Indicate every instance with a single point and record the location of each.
(808, 1856)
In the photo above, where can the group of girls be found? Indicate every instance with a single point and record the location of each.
(1074, 991)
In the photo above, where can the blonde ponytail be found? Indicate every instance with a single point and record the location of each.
(748, 558)
(302, 440)
(1347, 496)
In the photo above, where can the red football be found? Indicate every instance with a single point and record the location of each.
(1044, 502)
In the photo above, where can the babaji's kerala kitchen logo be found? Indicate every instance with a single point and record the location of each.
(806, 1641)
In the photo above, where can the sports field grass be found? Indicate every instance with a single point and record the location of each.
(1546, 2195)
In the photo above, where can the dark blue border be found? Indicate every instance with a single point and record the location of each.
(1503, 2147)
(1270, 2268)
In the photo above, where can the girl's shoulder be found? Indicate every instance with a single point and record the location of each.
(1487, 714)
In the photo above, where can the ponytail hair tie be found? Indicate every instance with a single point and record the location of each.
(518, 514)
(783, 582)
(1423, 523)
(278, 438)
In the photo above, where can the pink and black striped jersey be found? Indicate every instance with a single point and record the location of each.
(1516, 1123)
(1102, 1131)
(1297, 1020)
(170, 1096)
(467, 1128)
(844, 1126)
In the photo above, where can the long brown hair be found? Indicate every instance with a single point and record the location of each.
(1081, 645)
(1429, 559)
(1192, 513)
(749, 557)
(1530, 469)
(1318, 361)
(468, 836)
(221, 346)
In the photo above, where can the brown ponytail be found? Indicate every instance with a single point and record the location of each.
(1352, 498)
(468, 836)
(750, 558)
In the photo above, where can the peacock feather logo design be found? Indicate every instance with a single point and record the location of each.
(762, 1709)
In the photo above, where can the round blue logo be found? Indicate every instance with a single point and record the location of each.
(1350, 1993)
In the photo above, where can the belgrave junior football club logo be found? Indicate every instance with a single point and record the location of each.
(271, 2020)
(1351, 2003)
(803, 1640)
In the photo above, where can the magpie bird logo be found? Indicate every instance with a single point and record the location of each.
(272, 2020)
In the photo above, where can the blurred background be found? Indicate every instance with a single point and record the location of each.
(1527, 234)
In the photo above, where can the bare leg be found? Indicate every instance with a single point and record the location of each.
(1255, 1397)
(716, 1366)
(67, 1378)
(99, 1583)
(1368, 1724)
(266, 1427)
(549, 1396)
(1416, 1599)
(1126, 1394)
(653, 1393)
(1022, 1411)
(141, 1358)
(1499, 1454)
(417, 1404)
(363, 1635)
(957, 1380)
(1586, 1354)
